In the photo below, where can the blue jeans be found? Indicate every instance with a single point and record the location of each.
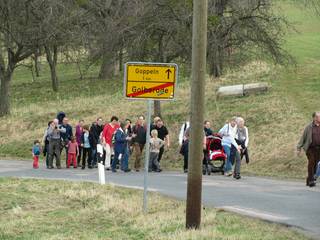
(124, 160)
(228, 164)
(94, 156)
(318, 170)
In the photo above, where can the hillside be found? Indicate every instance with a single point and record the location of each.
(275, 119)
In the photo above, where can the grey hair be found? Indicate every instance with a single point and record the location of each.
(239, 119)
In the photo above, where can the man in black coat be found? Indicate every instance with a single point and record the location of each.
(95, 130)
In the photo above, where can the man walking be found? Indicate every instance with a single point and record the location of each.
(107, 138)
(54, 138)
(310, 142)
(139, 140)
(163, 134)
(96, 129)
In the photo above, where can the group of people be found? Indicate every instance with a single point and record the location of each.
(111, 143)
(114, 142)
(234, 140)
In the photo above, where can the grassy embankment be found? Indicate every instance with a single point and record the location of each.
(39, 209)
(275, 119)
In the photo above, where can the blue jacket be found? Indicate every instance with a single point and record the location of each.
(121, 143)
(66, 136)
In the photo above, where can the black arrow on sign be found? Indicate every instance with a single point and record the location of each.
(168, 72)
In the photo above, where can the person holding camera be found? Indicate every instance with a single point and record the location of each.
(54, 137)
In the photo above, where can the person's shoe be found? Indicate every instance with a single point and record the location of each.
(59, 167)
(50, 167)
(114, 170)
(90, 167)
(75, 167)
(107, 169)
(127, 170)
(228, 174)
(185, 170)
(95, 166)
(159, 170)
(312, 184)
(237, 176)
(83, 167)
(137, 170)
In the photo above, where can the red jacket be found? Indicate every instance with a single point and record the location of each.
(108, 132)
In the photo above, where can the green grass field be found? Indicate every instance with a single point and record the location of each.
(39, 209)
(275, 119)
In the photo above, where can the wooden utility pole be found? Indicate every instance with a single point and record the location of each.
(199, 49)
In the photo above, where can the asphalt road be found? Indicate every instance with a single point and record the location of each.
(286, 202)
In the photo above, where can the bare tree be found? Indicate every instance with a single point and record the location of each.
(17, 38)
(244, 30)
(58, 24)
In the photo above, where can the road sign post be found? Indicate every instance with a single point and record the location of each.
(146, 164)
(149, 81)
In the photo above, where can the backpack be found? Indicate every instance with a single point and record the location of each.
(36, 151)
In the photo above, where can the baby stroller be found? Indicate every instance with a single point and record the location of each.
(215, 157)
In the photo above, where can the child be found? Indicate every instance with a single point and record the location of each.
(36, 151)
(155, 145)
(73, 151)
(86, 139)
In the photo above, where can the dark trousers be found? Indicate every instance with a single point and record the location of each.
(205, 158)
(86, 154)
(245, 153)
(54, 150)
(313, 155)
(160, 154)
(94, 156)
(235, 160)
(153, 161)
(79, 155)
(185, 161)
(47, 155)
(64, 146)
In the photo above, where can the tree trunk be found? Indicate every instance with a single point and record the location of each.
(157, 108)
(120, 60)
(107, 68)
(157, 103)
(216, 63)
(4, 93)
(36, 62)
(52, 61)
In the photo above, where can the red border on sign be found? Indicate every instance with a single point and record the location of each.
(136, 94)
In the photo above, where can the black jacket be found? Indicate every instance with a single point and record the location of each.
(95, 130)
(141, 133)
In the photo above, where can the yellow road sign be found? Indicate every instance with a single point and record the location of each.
(150, 80)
